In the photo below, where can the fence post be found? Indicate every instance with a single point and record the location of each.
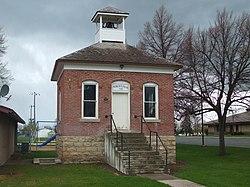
(156, 141)
(111, 124)
(122, 142)
(150, 138)
(129, 160)
(141, 125)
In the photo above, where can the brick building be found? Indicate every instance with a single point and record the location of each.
(107, 78)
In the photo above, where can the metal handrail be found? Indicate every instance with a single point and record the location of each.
(112, 123)
(143, 121)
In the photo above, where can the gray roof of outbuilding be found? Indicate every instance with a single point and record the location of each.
(11, 114)
(234, 119)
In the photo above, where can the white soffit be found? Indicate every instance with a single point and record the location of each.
(111, 67)
(119, 68)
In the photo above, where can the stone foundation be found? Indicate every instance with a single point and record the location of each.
(80, 149)
(170, 144)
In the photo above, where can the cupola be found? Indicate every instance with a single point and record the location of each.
(110, 25)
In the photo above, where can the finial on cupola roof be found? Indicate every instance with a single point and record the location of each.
(110, 25)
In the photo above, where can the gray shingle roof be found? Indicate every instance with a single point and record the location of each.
(111, 10)
(235, 119)
(112, 53)
(11, 114)
(106, 52)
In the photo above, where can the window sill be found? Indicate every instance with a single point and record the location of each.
(153, 120)
(90, 120)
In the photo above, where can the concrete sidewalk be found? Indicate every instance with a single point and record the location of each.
(171, 180)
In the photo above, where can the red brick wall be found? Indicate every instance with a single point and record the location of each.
(70, 85)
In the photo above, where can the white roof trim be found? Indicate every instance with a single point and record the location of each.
(113, 67)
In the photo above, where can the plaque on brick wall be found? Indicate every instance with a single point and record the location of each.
(120, 87)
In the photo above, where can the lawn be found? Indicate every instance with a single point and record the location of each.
(198, 164)
(68, 175)
(204, 166)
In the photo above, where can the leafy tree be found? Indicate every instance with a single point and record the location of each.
(5, 76)
(29, 129)
(186, 125)
(217, 66)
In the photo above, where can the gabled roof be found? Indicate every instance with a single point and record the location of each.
(109, 10)
(11, 114)
(114, 53)
(241, 118)
(112, 10)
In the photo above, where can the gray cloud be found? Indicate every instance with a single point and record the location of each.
(39, 32)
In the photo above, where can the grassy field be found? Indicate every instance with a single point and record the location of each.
(67, 175)
(204, 166)
(195, 163)
(70, 175)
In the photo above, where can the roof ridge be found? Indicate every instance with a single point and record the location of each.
(112, 10)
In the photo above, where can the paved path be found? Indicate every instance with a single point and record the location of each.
(171, 180)
(214, 141)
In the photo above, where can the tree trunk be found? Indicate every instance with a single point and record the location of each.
(222, 122)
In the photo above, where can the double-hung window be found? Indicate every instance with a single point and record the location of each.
(90, 100)
(150, 101)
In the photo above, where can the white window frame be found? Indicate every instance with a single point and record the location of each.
(97, 96)
(156, 101)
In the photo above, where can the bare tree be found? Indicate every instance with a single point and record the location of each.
(162, 36)
(5, 76)
(217, 66)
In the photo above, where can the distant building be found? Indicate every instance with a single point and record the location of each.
(44, 133)
(237, 123)
(8, 132)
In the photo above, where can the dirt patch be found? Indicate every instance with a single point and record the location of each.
(176, 167)
(43, 148)
(4, 173)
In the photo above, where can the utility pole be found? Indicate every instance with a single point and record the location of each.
(202, 125)
(34, 105)
(31, 119)
(34, 113)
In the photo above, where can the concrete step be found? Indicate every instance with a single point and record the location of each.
(150, 168)
(142, 158)
(46, 161)
(140, 152)
(132, 148)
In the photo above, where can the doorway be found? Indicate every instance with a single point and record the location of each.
(120, 105)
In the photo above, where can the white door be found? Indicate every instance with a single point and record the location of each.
(120, 110)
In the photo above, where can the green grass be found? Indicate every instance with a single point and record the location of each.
(39, 154)
(66, 175)
(204, 166)
(69, 175)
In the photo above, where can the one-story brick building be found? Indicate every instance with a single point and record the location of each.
(107, 78)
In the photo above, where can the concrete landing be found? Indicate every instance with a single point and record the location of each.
(46, 161)
(171, 180)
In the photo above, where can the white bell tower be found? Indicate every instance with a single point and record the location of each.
(110, 25)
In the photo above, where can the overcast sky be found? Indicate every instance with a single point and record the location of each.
(40, 31)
